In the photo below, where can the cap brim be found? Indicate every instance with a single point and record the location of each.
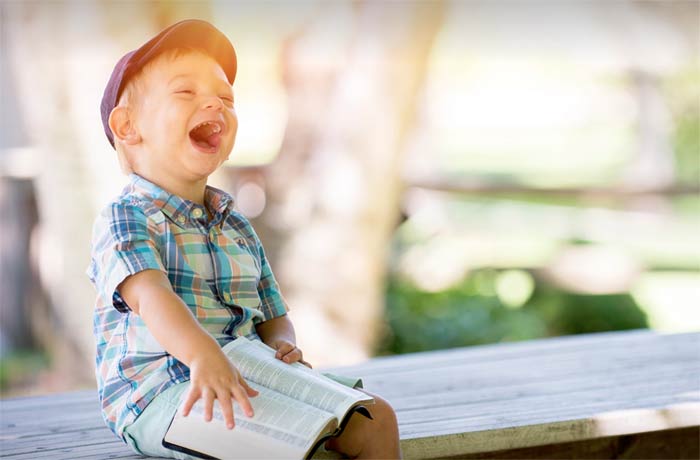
(191, 33)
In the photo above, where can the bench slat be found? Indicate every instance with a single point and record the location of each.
(454, 402)
(608, 345)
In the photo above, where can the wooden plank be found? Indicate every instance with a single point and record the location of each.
(500, 379)
(51, 414)
(464, 376)
(47, 401)
(511, 438)
(455, 402)
(488, 442)
(683, 389)
(557, 389)
(53, 424)
(59, 440)
(492, 369)
(418, 395)
(416, 402)
(658, 414)
(95, 451)
(454, 423)
(569, 347)
(676, 444)
(584, 352)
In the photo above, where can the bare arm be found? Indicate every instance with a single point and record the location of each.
(278, 333)
(150, 296)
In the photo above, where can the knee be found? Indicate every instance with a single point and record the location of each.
(376, 438)
(383, 414)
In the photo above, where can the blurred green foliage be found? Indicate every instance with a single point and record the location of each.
(20, 366)
(573, 313)
(472, 313)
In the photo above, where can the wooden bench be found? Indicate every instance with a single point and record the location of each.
(632, 394)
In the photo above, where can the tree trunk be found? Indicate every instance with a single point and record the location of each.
(334, 191)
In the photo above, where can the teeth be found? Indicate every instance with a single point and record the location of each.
(215, 127)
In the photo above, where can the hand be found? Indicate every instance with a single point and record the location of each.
(214, 377)
(288, 352)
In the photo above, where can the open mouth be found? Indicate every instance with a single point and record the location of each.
(206, 136)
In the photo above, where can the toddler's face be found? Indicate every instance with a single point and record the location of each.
(185, 117)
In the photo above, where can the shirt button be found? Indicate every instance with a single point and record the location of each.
(196, 213)
(181, 219)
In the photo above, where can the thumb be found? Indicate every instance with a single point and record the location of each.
(283, 348)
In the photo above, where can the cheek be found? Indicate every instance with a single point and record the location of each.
(167, 121)
(233, 123)
(163, 125)
(176, 122)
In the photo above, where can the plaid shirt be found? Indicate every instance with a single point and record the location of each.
(217, 267)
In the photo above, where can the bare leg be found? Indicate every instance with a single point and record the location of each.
(371, 439)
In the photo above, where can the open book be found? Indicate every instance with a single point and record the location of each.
(296, 410)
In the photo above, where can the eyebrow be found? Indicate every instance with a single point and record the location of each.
(187, 75)
(182, 75)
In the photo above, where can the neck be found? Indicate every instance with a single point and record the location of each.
(193, 191)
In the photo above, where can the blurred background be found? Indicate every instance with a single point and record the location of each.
(423, 175)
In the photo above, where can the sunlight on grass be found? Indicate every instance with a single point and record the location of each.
(671, 300)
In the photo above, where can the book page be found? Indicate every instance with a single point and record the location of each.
(281, 427)
(257, 363)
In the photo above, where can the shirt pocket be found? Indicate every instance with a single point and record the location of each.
(240, 272)
(193, 274)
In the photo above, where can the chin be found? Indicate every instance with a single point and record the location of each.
(206, 168)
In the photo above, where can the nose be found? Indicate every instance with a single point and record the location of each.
(214, 103)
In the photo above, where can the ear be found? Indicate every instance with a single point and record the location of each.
(123, 127)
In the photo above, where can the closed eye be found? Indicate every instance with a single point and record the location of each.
(184, 91)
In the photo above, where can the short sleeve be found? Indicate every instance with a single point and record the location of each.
(123, 243)
(272, 302)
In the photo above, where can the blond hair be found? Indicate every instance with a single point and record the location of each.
(129, 99)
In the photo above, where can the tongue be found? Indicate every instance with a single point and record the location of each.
(214, 140)
(205, 140)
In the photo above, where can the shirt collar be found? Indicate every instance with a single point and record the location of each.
(180, 210)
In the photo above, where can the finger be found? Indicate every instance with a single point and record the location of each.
(305, 363)
(293, 356)
(248, 389)
(242, 399)
(208, 396)
(283, 349)
(226, 404)
(192, 397)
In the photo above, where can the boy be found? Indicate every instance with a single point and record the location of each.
(178, 272)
